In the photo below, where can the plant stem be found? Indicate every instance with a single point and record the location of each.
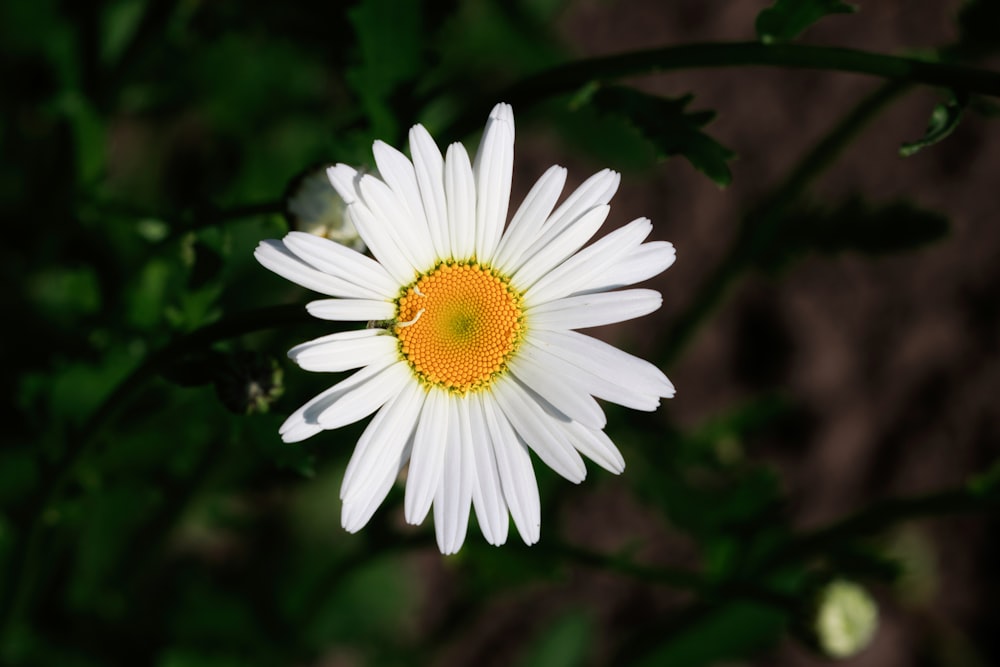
(571, 76)
(763, 224)
(881, 515)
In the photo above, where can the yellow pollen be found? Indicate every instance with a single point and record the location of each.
(458, 325)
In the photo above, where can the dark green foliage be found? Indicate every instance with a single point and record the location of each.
(786, 19)
(670, 128)
(150, 513)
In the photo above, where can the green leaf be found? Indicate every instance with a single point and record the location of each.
(854, 226)
(671, 129)
(944, 119)
(786, 19)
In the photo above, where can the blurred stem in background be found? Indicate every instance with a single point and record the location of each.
(762, 225)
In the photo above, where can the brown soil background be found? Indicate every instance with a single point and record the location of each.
(894, 358)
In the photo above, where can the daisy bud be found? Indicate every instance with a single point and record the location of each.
(314, 206)
(845, 619)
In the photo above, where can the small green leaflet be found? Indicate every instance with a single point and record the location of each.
(944, 119)
(672, 130)
(785, 19)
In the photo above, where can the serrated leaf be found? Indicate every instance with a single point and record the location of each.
(854, 226)
(944, 119)
(671, 129)
(786, 19)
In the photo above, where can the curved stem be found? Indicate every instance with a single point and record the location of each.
(761, 226)
(571, 76)
(978, 496)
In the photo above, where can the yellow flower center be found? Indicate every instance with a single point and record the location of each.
(458, 325)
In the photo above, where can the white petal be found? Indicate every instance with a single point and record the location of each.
(592, 310)
(298, 430)
(399, 174)
(460, 192)
(493, 170)
(343, 178)
(545, 380)
(378, 446)
(378, 235)
(517, 477)
(429, 168)
(526, 225)
(487, 493)
(590, 264)
(351, 310)
(304, 422)
(596, 446)
(275, 256)
(646, 261)
(606, 360)
(535, 425)
(344, 263)
(595, 191)
(552, 249)
(409, 237)
(454, 493)
(345, 350)
(364, 398)
(610, 384)
(427, 457)
(378, 456)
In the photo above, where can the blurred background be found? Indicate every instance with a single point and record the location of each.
(831, 325)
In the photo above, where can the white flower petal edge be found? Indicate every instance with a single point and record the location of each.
(464, 435)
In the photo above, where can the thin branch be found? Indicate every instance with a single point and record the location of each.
(761, 226)
(571, 76)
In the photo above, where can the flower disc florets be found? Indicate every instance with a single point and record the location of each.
(458, 325)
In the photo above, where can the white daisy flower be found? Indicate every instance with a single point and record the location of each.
(473, 360)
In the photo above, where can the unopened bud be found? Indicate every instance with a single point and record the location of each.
(314, 206)
(846, 619)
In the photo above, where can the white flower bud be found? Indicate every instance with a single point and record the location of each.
(846, 619)
(316, 208)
